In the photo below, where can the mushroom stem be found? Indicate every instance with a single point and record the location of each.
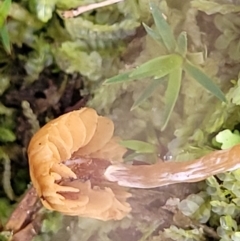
(165, 173)
(83, 9)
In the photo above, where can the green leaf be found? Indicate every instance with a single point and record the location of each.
(188, 207)
(4, 10)
(139, 146)
(147, 92)
(155, 35)
(158, 67)
(212, 182)
(71, 57)
(7, 135)
(182, 44)
(223, 208)
(204, 80)
(45, 9)
(118, 79)
(5, 39)
(228, 223)
(163, 28)
(228, 139)
(171, 95)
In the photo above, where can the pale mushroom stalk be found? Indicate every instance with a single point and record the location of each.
(83, 9)
(165, 173)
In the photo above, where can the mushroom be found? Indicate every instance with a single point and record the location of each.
(67, 159)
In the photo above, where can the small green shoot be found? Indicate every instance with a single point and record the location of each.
(4, 10)
(169, 67)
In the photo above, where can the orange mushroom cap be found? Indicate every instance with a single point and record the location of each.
(67, 159)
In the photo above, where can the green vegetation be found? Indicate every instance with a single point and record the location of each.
(158, 81)
(172, 65)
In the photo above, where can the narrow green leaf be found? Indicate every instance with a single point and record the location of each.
(182, 44)
(147, 92)
(158, 67)
(171, 95)
(118, 79)
(5, 39)
(139, 146)
(4, 10)
(155, 35)
(204, 80)
(163, 28)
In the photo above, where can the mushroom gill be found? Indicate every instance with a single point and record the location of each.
(67, 159)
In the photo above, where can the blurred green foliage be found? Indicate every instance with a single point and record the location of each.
(219, 204)
(199, 37)
(228, 42)
(172, 65)
(4, 11)
(73, 47)
(51, 224)
(6, 235)
(178, 234)
(34, 36)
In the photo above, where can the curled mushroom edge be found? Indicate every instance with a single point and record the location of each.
(67, 160)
